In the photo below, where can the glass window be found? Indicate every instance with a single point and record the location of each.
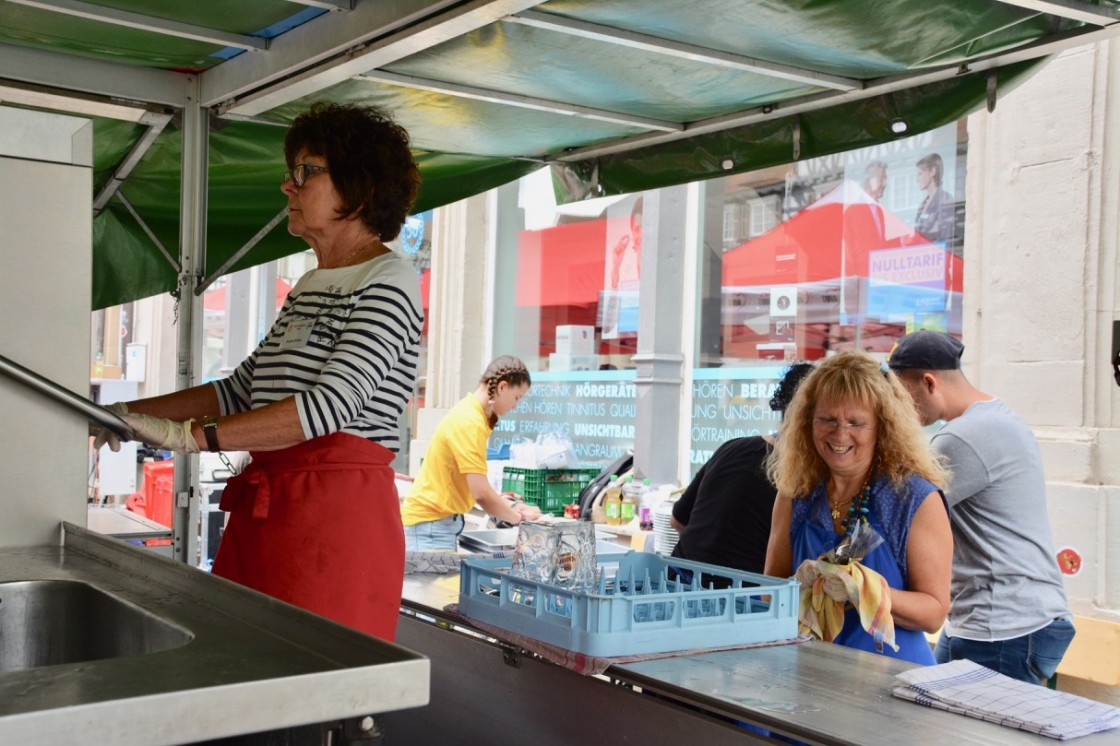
(567, 305)
(848, 251)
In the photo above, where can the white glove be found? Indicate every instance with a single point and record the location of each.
(105, 436)
(163, 433)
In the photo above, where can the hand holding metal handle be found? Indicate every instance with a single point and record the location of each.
(80, 404)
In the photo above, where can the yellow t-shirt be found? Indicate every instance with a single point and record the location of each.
(457, 448)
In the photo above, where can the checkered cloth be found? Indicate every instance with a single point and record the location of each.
(968, 688)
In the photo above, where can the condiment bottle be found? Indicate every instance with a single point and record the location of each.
(631, 497)
(612, 502)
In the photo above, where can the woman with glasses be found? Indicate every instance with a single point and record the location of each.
(851, 453)
(314, 519)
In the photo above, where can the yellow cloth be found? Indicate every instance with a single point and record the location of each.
(457, 448)
(825, 590)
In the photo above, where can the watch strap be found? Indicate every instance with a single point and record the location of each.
(210, 431)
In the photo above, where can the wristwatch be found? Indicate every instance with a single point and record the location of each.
(210, 430)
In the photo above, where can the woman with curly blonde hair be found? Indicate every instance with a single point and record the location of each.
(851, 450)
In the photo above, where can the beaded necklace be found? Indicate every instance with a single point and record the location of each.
(857, 510)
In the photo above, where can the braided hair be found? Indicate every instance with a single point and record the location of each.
(503, 368)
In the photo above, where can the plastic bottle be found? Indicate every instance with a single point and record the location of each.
(631, 498)
(645, 507)
(612, 502)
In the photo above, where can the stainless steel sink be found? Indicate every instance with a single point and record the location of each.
(53, 622)
(105, 642)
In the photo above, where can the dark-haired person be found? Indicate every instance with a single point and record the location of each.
(1008, 610)
(314, 517)
(936, 215)
(724, 515)
(453, 476)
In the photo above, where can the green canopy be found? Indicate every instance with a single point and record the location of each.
(616, 95)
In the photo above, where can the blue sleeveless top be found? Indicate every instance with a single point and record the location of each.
(891, 509)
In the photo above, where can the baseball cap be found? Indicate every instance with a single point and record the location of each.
(926, 350)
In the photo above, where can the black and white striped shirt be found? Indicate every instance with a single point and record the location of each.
(345, 345)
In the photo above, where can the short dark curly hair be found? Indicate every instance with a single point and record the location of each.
(787, 387)
(369, 157)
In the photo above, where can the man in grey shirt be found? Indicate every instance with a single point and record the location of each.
(1007, 608)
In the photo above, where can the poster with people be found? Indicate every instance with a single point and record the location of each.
(619, 302)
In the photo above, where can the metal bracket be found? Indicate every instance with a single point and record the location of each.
(511, 656)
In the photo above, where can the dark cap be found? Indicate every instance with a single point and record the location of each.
(926, 350)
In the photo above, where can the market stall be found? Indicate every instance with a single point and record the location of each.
(484, 689)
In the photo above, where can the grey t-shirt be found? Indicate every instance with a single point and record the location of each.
(1006, 581)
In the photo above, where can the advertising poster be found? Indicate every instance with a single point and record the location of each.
(619, 303)
(596, 411)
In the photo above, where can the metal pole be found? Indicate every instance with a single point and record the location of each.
(192, 262)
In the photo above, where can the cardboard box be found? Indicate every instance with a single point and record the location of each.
(103, 371)
(575, 340)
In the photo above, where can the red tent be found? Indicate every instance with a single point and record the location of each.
(832, 238)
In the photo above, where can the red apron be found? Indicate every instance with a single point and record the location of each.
(319, 525)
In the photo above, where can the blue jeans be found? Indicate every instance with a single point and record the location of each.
(434, 535)
(1033, 658)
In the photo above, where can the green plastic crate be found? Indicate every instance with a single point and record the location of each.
(548, 489)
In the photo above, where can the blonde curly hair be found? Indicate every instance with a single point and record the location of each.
(901, 447)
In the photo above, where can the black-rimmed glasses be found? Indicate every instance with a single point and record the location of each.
(301, 171)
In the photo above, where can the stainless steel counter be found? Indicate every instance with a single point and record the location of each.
(815, 692)
(254, 664)
(121, 523)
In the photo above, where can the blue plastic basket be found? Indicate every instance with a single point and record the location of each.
(641, 606)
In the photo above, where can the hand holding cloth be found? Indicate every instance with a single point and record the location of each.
(827, 587)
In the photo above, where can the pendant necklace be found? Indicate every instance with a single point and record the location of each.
(355, 252)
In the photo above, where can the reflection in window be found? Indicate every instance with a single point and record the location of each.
(848, 251)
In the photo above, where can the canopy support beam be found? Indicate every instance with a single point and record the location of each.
(456, 21)
(151, 24)
(130, 161)
(148, 232)
(815, 102)
(332, 5)
(129, 83)
(525, 102)
(1094, 15)
(208, 281)
(658, 45)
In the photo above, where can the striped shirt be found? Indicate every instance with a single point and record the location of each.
(345, 345)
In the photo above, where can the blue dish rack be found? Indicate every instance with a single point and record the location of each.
(642, 605)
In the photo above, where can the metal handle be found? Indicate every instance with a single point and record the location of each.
(83, 406)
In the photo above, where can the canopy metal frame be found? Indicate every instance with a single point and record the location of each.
(327, 47)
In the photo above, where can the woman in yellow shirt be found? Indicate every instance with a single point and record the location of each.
(452, 476)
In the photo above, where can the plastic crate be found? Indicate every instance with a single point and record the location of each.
(548, 489)
(637, 608)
